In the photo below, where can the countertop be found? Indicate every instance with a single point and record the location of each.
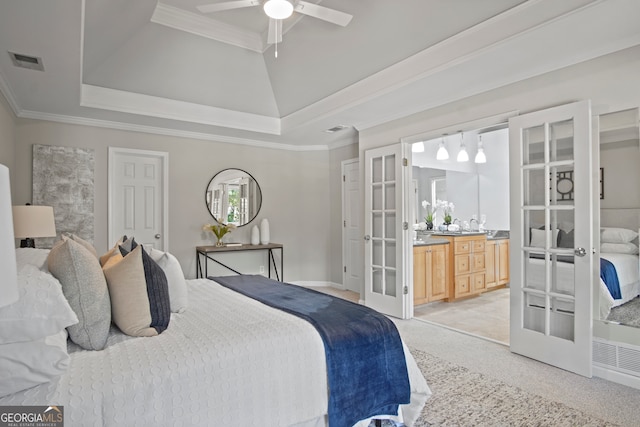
(429, 241)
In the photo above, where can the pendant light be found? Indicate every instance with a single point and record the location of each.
(442, 153)
(278, 9)
(463, 156)
(417, 147)
(480, 156)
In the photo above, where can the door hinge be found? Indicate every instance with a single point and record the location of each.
(405, 161)
(345, 268)
(344, 178)
(345, 223)
(405, 290)
(405, 225)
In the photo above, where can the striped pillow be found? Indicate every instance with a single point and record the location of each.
(139, 293)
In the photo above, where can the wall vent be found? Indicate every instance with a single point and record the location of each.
(337, 128)
(26, 61)
(617, 356)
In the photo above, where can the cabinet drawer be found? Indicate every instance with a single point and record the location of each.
(479, 262)
(478, 245)
(463, 266)
(478, 282)
(462, 285)
(463, 247)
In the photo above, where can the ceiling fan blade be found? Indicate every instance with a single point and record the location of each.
(324, 13)
(274, 34)
(227, 5)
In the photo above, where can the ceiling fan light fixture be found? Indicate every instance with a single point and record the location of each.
(278, 9)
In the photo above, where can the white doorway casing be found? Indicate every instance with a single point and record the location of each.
(138, 200)
(352, 232)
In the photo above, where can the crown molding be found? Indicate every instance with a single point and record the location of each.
(183, 20)
(147, 105)
(130, 127)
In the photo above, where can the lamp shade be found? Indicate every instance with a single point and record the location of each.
(442, 153)
(278, 9)
(33, 221)
(8, 267)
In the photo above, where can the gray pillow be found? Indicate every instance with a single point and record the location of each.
(84, 286)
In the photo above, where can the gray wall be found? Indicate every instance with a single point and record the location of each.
(7, 137)
(301, 190)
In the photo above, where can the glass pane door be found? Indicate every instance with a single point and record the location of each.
(551, 215)
(386, 230)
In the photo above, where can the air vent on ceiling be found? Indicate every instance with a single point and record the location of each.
(337, 128)
(26, 61)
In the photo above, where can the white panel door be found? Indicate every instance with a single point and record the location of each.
(387, 212)
(352, 247)
(551, 155)
(138, 196)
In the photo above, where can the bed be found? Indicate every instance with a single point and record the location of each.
(620, 271)
(225, 359)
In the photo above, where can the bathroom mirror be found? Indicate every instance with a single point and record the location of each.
(233, 196)
(620, 209)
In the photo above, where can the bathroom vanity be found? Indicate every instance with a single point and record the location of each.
(452, 265)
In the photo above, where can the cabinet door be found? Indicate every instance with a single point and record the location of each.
(462, 285)
(439, 288)
(503, 267)
(420, 275)
(477, 282)
(490, 264)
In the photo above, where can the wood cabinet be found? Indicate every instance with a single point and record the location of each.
(467, 270)
(497, 263)
(430, 273)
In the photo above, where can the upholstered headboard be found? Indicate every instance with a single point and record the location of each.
(620, 217)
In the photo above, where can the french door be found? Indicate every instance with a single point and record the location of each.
(388, 271)
(552, 243)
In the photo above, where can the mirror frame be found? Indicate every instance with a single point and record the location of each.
(207, 195)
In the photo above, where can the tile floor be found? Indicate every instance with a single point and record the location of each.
(486, 315)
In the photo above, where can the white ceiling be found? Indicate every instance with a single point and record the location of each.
(164, 67)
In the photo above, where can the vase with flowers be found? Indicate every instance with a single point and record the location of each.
(447, 209)
(219, 230)
(428, 219)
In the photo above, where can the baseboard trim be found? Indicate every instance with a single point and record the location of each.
(616, 377)
(316, 283)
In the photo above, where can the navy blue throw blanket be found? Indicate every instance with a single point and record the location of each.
(609, 276)
(366, 367)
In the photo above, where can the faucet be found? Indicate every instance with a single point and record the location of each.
(477, 223)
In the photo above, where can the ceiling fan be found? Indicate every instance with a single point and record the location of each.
(277, 10)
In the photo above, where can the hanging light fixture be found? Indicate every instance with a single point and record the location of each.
(480, 156)
(442, 153)
(278, 9)
(417, 147)
(463, 156)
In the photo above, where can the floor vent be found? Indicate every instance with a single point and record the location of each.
(620, 357)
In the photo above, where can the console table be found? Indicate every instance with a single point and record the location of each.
(206, 253)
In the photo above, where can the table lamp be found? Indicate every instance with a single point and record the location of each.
(31, 221)
(8, 267)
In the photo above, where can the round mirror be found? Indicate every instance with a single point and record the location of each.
(233, 196)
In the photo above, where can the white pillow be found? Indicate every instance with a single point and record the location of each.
(27, 364)
(178, 297)
(538, 238)
(617, 235)
(32, 256)
(41, 309)
(619, 248)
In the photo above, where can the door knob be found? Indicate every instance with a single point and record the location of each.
(367, 237)
(580, 252)
(157, 236)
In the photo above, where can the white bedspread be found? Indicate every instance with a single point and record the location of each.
(227, 360)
